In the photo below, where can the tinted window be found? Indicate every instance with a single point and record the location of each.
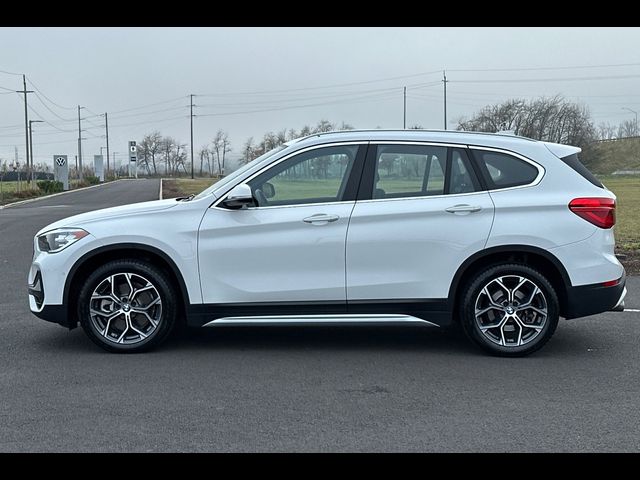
(315, 176)
(422, 170)
(574, 162)
(409, 171)
(462, 178)
(503, 171)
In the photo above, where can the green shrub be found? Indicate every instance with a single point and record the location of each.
(50, 186)
(92, 179)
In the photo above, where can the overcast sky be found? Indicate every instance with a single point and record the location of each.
(251, 80)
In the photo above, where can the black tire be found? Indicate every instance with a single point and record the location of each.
(166, 316)
(473, 290)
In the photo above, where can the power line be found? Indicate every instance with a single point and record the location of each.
(528, 69)
(356, 100)
(147, 105)
(557, 79)
(10, 73)
(46, 121)
(54, 113)
(335, 85)
(149, 113)
(51, 101)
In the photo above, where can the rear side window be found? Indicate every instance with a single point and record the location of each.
(403, 171)
(574, 162)
(503, 171)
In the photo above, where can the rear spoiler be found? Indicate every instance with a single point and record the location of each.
(560, 150)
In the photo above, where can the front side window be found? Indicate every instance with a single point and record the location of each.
(315, 176)
(503, 171)
(422, 170)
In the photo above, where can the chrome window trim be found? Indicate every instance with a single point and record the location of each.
(286, 157)
(536, 181)
(423, 197)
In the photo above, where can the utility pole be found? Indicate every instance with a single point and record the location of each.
(636, 123)
(80, 143)
(26, 121)
(106, 127)
(444, 82)
(404, 122)
(191, 118)
(31, 144)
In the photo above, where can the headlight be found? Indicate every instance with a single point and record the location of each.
(59, 239)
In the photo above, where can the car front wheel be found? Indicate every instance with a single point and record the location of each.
(127, 306)
(510, 310)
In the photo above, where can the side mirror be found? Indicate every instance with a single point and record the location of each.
(240, 196)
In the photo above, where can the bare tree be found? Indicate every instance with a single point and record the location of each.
(205, 155)
(225, 148)
(148, 148)
(248, 151)
(627, 128)
(551, 119)
(606, 131)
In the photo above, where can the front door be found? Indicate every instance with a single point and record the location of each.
(289, 247)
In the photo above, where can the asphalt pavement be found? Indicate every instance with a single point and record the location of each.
(302, 389)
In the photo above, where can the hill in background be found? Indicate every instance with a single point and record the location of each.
(610, 156)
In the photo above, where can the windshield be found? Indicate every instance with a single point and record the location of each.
(237, 173)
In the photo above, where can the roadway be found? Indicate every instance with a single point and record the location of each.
(302, 389)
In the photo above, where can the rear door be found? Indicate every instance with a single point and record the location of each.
(421, 211)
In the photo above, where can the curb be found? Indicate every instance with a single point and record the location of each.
(44, 197)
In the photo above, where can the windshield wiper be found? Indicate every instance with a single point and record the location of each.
(186, 199)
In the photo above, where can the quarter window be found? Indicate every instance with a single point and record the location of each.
(502, 170)
(316, 176)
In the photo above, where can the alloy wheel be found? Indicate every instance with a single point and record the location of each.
(511, 311)
(125, 308)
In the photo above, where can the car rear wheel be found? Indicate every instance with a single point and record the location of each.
(127, 306)
(509, 310)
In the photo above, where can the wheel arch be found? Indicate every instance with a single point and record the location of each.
(118, 251)
(543, 260)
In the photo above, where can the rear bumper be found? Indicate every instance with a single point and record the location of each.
(588, 300)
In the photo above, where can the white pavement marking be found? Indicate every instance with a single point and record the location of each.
(632, 310)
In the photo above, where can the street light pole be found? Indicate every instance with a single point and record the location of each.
(31, 169)
(636, 122)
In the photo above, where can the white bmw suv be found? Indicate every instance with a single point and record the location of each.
(499, 234)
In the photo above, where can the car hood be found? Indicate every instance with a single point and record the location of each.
(121, 211)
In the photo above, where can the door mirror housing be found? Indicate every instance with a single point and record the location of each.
(239, 197)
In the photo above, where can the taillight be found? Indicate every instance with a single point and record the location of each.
(599, 211)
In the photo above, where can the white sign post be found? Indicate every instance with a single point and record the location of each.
(61, 170)
(133, 157)
(98, 166)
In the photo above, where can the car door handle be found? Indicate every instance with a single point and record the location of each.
(321, 219)
(463, 208)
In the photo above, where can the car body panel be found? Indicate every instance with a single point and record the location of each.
(380, 252)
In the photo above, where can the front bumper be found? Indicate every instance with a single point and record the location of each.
(591, 299)
(37, 296)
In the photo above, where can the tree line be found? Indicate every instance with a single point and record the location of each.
(551, 119)
(252, 148)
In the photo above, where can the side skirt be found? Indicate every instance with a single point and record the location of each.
(355, 319)
(405, 311)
